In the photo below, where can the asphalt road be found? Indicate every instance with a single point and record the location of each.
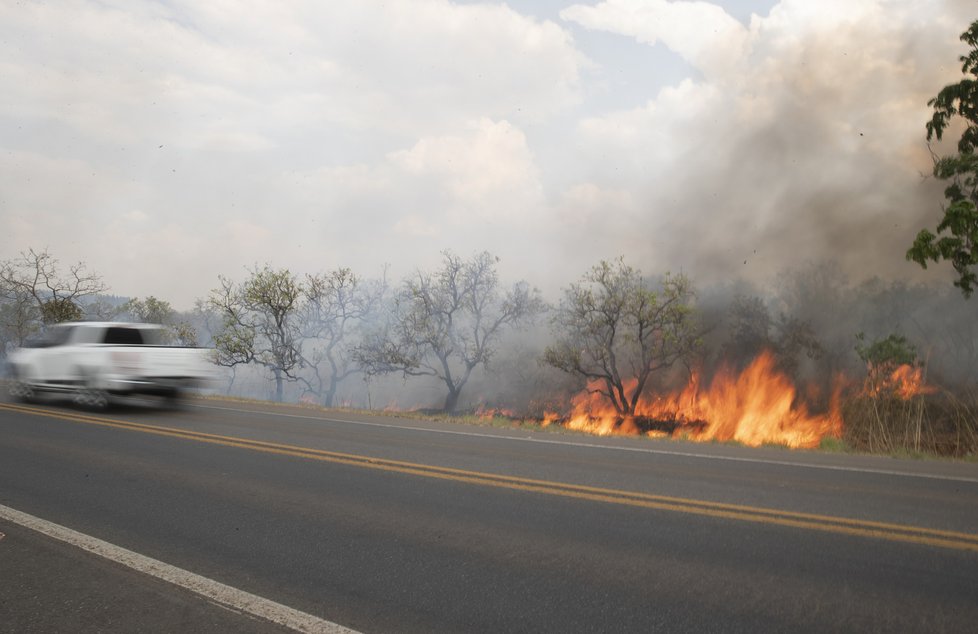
(392, 525)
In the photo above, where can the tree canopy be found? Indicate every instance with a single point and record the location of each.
(956, 237)
(261, 323)
(615, 326)
(158, 311)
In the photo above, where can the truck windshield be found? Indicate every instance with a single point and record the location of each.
(129, 336)
(120, 336)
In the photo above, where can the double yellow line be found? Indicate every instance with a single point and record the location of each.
(826, 523)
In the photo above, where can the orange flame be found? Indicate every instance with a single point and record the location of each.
(905, 382)
(758, 406)
(488, 413)
(549, 418)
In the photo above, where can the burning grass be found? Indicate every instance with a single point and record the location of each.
(757, 406)
(894, 411)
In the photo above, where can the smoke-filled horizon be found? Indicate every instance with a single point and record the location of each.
(167, 144)
(814, 356)
(809, 320)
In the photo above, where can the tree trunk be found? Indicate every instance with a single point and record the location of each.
(278, 386)
(632, 402)
(451, 401)
(330, 393)
(616, 394)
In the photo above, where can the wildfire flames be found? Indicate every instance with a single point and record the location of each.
(486, 413)
(904, 382)
(760, 405)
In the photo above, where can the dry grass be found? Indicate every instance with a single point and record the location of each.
(943, 424)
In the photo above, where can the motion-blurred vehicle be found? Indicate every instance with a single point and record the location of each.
(96, 361)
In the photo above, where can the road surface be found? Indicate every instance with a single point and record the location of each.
(382, 524)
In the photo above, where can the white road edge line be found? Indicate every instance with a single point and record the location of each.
(215, 591)
(685, 454)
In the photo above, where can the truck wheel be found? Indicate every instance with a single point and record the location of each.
(90, 396)
(20, 390)
(173, 400)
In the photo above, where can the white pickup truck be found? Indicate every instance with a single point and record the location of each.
(95, 361)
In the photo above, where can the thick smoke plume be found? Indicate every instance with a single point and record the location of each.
(809, 146)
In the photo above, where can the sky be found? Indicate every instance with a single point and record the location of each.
(167, 143)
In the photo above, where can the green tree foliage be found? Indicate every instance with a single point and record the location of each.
(956, 237)
(57, 310)
(157, 311)
(447, 323)
(261, 323)
(892, 351)
(614, 326)
(150, 310)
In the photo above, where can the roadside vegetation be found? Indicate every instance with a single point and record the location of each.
(456, 343)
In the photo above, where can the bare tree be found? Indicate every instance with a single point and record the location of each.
(337, 303)
(261, 323)
(751, 330)
(36, 291)
(447, 323)
(821, 295)
(613, 327)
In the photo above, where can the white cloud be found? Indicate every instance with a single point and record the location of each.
(701, 32)
(488, 173)
(477, 188)
(267, 133)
